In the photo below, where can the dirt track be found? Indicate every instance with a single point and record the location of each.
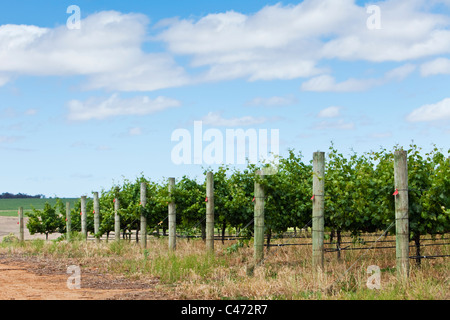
(9, 225)
(33, 278)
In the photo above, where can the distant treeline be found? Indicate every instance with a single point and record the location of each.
(7, 195)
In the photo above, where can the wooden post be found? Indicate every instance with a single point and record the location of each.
(68, 221)
(116, 219)
(96, 217)
(172, 217)
(318, 210)
(143, 217)
(210, 212)
(401, 213)
(21, 233)
(258, 220)
(83, 218)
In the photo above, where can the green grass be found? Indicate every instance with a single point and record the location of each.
(9, 207)
(172, 268)
(191, 273)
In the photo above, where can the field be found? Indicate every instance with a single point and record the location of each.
(9, 207)
(359, 200)
(123, 270)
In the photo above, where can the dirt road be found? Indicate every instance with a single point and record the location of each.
(32, 278)
(9, 225)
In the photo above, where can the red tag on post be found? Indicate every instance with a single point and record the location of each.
(395, 193)
(206, 199)
(253, 199)
(312, 198)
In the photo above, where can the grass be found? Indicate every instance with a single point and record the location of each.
(9, 207)
(286, 273)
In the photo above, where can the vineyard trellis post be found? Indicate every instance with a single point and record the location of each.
(259, 219)
(116, 219)
(68, 221)
(83, 217)
(172, 216)
(401, 213)
(210, 212)
(21, 229)
(143, 217)
(96, 216)
(318, 209)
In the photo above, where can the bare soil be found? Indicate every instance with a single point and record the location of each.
(37, 278)
(33, 278)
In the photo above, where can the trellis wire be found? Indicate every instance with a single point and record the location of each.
(362, 255)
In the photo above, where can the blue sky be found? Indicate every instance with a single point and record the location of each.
(83, 108)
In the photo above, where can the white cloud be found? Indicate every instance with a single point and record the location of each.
(31, 112)
(107, 49)
(381, 135)
(136, 131)
(431, 112)
(326, 83)
(3, 80)
(148, 73)
(286, 42)
(434, 67)
(114, 106)
(401, 72)
(330, 112)
(216, 119)
(335, 124)
(275, 101)
(9, 139)
(276, 42)
(407, 32)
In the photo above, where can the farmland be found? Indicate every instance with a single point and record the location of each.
(8, 207)
(124, 270)
(264, 241)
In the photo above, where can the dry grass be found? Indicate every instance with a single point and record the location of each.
(286, 272)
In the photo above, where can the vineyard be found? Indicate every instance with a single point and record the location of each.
(235, 208)
(358, 199)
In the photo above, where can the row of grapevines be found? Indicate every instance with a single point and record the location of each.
(358, 197)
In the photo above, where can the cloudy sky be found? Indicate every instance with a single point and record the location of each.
(84, 103)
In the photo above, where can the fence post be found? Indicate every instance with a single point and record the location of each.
(83, 217)
(210, 212)
(143, 217)
(21, 233)
(259, 220)
(318, 209)
(68, 221)
(172, 217)
(96, 217)
(116, 220)
(401, 213)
